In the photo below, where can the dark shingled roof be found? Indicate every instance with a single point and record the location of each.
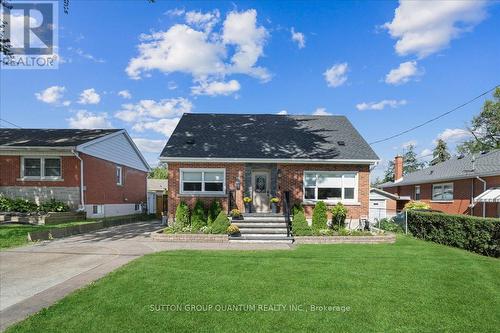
(16, 137)
(487, 163)
(267, 136)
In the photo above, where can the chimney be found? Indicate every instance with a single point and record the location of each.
(398, 168)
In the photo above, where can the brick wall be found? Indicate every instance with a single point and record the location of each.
(100, 181)
(462, 193)
(10, 172)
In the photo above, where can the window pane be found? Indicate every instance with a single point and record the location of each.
(213, 187)
(32, 167)
(211, 176)
(52, 167)
(448, 192)
(437, 193)
(330, 193)
(191, 175)
(349, 180)
(329, 180)
(310, 179)
(187, 187)
(349, 193)
(309, 194)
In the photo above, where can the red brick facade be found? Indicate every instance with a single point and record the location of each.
(290, 179)
(462, 196)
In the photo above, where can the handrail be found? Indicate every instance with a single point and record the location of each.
(286, 210)
(230, 201)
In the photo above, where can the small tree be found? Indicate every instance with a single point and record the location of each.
(339, 214)
(410, 161)
(297, 208)
(320, 216)
(213, 211)
(299, 224)
(198, 217)
(182, 215)
(440, 152)
(219, 226)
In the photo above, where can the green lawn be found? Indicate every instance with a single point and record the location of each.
(410, 286)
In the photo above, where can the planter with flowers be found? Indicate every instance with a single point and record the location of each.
(236, 214)
(274, 204)
(233, 230)
(248, 204)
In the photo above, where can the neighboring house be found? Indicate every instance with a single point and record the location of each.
(461, 185)
(382, 204)
(157, 196)
(230, 156)
(98, 170)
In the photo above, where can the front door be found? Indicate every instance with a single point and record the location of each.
(260, 191)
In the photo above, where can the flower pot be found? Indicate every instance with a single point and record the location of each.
(248, 207)
(237, 218)
(274, 207)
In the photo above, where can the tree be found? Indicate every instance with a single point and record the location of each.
(440, 152)
(5, 47)
(159, 172)
(410, 161)
(485, 128)
(389, 173)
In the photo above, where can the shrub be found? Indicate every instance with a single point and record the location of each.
(320, 217)
(214, 210)
(5, 204)
(300, 226)
(54, 206)
(23, 206)
(339, 213)
(220, 224)
(206, 229)
(198, 217)
(325, 232)
(233, 229)
(389, 225)
(417, 205)
(169, 230)
(182, 215)
(297, 208)
(480, 235)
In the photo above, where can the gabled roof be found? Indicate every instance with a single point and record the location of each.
(29, 137)
(384, 193)
(485, 164)
(155, 185)
(265, 136)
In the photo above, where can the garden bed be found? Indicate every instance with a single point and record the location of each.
(39, 218)
(189, 237)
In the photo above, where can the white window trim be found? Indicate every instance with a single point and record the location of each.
(42, 168)
(202, 170)
(442, 186)
(120, 182)
(353, 201)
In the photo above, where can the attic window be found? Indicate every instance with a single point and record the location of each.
(341, 143)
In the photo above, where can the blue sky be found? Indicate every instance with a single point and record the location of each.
(385, 65)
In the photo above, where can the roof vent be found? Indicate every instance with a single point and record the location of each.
(484, 152)
(459, 157)
(431, 172)
(190, 141)
(341, 143)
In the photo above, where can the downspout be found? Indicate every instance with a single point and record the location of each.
(82, 197)
(484, 190)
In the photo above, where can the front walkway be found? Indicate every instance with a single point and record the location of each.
(35, 276)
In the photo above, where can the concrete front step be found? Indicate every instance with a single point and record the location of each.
(262, 215)
(263, 231)
(262, 237)
(263, 219)
(260, 224)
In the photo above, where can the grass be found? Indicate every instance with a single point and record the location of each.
(409, 286)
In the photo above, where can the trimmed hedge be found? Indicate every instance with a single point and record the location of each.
(182, 215)
(320, 216)
(299, 225)
(480, 235)
(198, 216)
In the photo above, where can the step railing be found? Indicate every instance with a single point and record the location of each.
(286, 210)
(231, 200)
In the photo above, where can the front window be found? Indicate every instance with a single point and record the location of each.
(119, 175)
(417, 192)
(330, 186)
(442, 192)
(41, 167)
(203, 181)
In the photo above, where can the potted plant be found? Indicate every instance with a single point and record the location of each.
(233, 230)
(248, 204)
(236, 214)
(274, 204)
(339, 214)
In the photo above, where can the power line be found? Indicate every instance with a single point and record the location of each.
(8, 122)
(435, 118)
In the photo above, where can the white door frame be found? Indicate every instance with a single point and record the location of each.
(260, 201)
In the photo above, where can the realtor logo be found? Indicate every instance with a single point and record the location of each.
(31, 27)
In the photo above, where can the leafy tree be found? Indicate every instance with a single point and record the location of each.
(410, 161)
(440, 152)
(160, 172)
(485, 128)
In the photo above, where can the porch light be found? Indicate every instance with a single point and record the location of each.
(238, 183)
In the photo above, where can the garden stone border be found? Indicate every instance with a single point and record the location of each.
(376, 239)
(200, 238)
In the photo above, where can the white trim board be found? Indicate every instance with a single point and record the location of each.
(266, 160)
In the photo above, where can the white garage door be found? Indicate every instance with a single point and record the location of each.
(377, 209)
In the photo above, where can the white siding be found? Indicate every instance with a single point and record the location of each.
(117, 149)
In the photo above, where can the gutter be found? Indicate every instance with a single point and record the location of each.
(267, 160)
(484, 189)
(82, 197)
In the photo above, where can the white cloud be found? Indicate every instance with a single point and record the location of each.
(283, 112)
(172, 85)
(204, 55)
(147, 109)
(299, 38)
(125, 94)
(149, 146)
(89, 96)
(163, 126)
(453, 135)
(426, 154)
(51, 95)
(407, 144)
(392, 103)
(404, 73)
(216, 88)
(321, 112)
(85, 119)
(336, 75)
(86, 55)
(426, 27)
(206, 21)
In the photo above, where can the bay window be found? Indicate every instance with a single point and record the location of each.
(41, 168)
(211, 181)
(442, 192)
(331, 186)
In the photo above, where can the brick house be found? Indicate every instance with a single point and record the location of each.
(462, 185)
(232, 156)
(100, 171)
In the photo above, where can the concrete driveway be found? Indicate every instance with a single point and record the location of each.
(35, 276)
